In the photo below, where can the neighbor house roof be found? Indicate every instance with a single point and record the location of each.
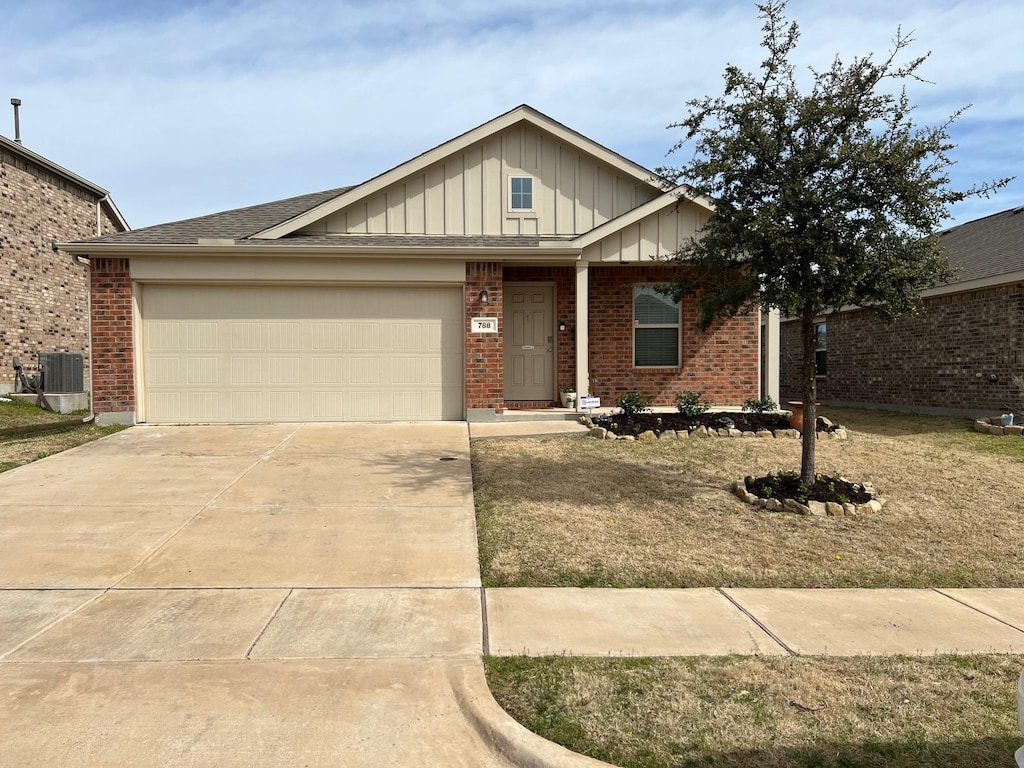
(28, 156)
(985, 248)
(236, 224)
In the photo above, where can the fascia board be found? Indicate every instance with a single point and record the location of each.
(459, 143)
(565, 255)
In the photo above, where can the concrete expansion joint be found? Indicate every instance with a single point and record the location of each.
(977, 609)
(756, 621)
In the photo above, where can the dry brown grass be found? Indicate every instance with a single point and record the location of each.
(583, 512)
(737, 712)
(14, 453)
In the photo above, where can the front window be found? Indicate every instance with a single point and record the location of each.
(655, 329)
(520, 193)
(820, 349)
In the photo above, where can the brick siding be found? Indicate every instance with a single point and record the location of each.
(113, 355)
(44, 304)
(722, 363)
(485, 384)
(939, 359)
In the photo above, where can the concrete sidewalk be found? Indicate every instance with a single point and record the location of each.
(700, 622)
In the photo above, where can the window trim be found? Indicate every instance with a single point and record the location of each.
(820, 350)
(533, 192)
(678, 325)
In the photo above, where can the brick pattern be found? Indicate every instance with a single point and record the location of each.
(485, 384)
(113, 378)
(44, 305)
(722, 363)
(941, 358)
(564, 279)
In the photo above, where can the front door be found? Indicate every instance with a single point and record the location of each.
(529, 342)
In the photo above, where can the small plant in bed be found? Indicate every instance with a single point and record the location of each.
(787, 485)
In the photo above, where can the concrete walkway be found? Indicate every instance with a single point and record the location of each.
(715, 622)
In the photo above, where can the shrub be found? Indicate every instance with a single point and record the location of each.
(763, 405)
(633, 403)
(691, 404)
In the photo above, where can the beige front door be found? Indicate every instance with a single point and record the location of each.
(529, 342)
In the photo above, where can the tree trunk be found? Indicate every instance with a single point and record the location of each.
(809, 394)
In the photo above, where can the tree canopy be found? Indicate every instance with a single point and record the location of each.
(823, 198)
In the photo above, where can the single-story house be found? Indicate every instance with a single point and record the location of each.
(485, 274)
(957, 356)
(44, 294)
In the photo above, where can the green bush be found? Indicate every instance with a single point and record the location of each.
(691, 404)
(633, 403)
(763, 405)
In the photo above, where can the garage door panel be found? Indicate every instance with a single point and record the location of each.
(261, 353)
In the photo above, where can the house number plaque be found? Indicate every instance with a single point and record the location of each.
(484, 325)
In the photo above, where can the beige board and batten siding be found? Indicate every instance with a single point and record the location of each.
(250, 352)
(467, 192)
(658, 234)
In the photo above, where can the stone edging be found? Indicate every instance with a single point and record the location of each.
(816, 508)
(993, 427)
(601, 433)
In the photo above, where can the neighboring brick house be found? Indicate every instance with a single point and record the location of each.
(957, 356)
(487, 273)
(44, 295)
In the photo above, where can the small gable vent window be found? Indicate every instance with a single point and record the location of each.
(520, 193)
(655, 329)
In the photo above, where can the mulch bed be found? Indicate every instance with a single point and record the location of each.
(659, 422)
(787, 485)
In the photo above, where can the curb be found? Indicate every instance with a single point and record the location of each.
(500, 732)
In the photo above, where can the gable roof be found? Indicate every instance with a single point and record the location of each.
(522, 113)
(987, 247)
(102, 195)
(236, 224)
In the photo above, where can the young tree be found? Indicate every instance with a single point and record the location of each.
(823, 199)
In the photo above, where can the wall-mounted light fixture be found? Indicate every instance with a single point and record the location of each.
(484, 296)
(561, 325)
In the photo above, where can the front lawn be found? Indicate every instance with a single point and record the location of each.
(582, 512)
(770, 712)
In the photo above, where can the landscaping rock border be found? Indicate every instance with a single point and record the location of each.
(649, 435)
(814, 508)
(993, 427)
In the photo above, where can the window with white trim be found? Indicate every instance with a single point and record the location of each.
(520, 193)
(820, 349)
(656, 329)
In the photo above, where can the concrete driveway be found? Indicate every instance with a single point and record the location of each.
(276, 595)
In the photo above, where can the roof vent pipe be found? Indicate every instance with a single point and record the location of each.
(17, 123)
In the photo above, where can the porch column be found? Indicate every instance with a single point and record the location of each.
(582, 331)
(770, 357)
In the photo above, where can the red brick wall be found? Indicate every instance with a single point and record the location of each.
(485, 385)
(113, 378)
(43, 295)
(564, 279)
(939, 359)
(722, 363)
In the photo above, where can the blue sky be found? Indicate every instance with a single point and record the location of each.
(187, 108)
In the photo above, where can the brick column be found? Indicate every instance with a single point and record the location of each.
(113, 358)
(485, 378)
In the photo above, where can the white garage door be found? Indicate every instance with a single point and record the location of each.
(273, 353)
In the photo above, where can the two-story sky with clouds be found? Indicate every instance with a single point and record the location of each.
(183, 108)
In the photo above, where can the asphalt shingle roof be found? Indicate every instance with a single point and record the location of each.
(986, 247)
(236, 224)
